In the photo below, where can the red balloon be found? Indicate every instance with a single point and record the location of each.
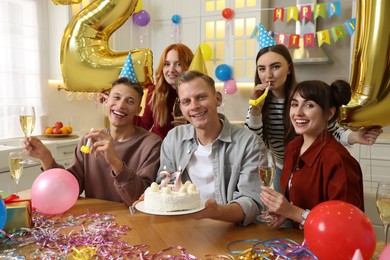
(228, 13)
(335, 229)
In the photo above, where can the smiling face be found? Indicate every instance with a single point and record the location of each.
(122, 105)
(308, 117)
(172, 67)
(274, 68)
(199, 103)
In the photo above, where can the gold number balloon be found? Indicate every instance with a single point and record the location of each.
(65, 2)
(87, 62)
(370, 103)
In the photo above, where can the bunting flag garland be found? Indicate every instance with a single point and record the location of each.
(279, 14)
(293, 40)
(128, 70)
(323, 37)
(292, 13)
(320, 11)
(281, 38)
(305, 13)
(350, 25)
(308, 12)
(337, 32)
(334, 8)
(308, 40)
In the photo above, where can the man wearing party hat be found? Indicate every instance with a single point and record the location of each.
(218, 157)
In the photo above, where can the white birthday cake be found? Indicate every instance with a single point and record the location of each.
(177, 197)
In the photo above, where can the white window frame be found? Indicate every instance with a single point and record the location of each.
(23, 66)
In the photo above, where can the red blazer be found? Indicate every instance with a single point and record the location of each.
(326, 171)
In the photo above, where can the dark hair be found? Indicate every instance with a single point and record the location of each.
(290, 83)
(327, 97)
(126, 81)
(191, 75)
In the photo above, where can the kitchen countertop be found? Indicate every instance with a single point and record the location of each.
(15, 144)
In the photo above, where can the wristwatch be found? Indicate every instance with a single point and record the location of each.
(304, 215)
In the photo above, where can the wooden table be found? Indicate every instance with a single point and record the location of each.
(198, 237)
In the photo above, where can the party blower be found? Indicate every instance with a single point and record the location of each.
(87, 147)
(255, 102)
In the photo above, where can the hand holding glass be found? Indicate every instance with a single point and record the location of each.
(16, 167)
(267, 169)
(383, 205)
(27, 122)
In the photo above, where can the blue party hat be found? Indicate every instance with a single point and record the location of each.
(128, 70)
(262, 36)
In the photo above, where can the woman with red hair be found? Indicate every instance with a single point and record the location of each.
(160, 100)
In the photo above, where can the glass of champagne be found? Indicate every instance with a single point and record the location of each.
(27, 122)
(266, 169)
(16, 166)
(383, 205)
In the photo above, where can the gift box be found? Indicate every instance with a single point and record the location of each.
(18, 213)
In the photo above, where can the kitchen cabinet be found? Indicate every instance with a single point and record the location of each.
(62, 151)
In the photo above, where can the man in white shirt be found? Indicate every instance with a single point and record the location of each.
(220, 158)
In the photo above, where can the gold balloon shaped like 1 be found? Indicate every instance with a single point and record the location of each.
(370, 102)
(87, 62)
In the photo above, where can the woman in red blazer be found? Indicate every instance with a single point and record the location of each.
(316, 167)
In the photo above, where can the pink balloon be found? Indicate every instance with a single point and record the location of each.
(54, 191)
(230, 86)
(385, 254)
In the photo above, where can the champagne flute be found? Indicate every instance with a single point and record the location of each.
(266, 169)
(27, 122)
(383, 205)
(16, 167)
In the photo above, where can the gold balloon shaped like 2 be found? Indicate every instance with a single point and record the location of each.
(370, 102)
(65, 2)
(87, 62)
